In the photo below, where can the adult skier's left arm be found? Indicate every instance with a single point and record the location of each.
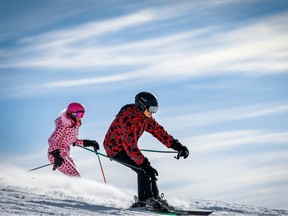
(159, 132)
(168, 140)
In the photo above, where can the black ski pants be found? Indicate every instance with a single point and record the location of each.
(147, 187)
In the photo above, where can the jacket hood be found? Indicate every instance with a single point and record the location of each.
(65, 120)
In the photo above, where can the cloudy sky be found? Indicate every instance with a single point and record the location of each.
(218, 67)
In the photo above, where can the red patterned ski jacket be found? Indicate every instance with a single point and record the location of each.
(127, 128)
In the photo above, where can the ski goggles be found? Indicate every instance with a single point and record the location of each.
(152, 109)
(79, 114)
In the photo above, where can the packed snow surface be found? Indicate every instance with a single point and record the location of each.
(37, 193)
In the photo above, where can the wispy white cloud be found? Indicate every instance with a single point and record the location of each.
(257, 48)
(88, 81)
(217, 141)
(57, 49)
(192, 53)
(197, 119)
(68, 36)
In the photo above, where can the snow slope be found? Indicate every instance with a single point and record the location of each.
(39, 193)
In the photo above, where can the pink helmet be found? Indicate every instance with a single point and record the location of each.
(76, 107)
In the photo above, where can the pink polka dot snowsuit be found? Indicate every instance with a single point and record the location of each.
(63, 137)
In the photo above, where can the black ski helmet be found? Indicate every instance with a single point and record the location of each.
(147, 100)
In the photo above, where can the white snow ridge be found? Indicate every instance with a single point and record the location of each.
(37, 193)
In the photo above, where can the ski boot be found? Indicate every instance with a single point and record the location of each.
(154, 204)
(138, 203)
(164, 203)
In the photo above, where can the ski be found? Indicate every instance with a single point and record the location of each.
(179, 212)
(168, 211)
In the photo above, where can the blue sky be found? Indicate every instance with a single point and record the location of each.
(219, 69)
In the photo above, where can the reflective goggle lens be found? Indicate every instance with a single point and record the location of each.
(153, 109)
(78, 114)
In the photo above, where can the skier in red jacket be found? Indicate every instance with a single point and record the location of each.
(121, 144)
(65, 135)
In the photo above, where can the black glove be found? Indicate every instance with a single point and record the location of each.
(182, 150)
(148, 169)
(92, 143)
(58, 160)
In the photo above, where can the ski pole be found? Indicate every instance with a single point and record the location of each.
(156, 151)
(125, 164)
(40, 167)
(101, 166)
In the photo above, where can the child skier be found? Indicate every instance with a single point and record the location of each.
(121, 140)
(65, 134)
